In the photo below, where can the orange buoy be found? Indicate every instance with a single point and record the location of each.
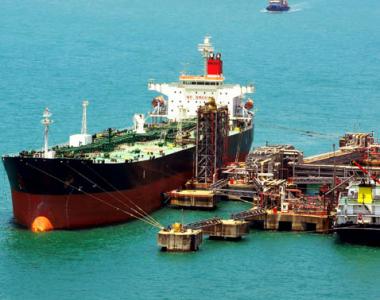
(41, 224)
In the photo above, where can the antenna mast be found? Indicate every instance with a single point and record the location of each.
(205, 49)
(46, 121)
(84, 117)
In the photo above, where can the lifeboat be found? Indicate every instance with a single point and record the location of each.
(158, 101)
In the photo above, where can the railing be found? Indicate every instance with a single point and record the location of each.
(247, 214)
(203, 224)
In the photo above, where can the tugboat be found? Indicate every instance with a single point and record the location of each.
(358, 213)
(278, 5)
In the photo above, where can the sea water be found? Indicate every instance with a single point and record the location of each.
(316, 70)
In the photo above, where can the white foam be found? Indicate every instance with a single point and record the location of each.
(293, 10)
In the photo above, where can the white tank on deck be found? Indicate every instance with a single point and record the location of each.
(81, 139)
(49, 154)
(139, 122)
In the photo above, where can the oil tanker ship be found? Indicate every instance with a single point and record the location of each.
(116, 175)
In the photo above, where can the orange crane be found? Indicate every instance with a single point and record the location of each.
(365, 171)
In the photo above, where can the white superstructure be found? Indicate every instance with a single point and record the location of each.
(183, 98)
(360, 205)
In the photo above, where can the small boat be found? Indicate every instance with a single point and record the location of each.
(278, 5)
(358, 214)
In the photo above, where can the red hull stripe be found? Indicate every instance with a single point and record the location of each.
(79, 211)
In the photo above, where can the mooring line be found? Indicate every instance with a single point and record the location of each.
(143, 215)
(122, 195)
(92, 196)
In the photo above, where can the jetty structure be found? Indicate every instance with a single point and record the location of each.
(288, 191)
(217, 228)
(211, 142)
(103, 178)
(188, 237)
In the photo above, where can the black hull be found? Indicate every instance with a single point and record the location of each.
(359, 234)
(71, 191)
(276, 8)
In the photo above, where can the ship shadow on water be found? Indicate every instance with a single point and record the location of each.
(291, 10)
(359, 244)
(357, 256)
(72, 245)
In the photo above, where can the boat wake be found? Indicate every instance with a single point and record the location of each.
(293, 10)
(296, 7)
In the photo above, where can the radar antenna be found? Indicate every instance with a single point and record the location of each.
(205, 49)
(84, 117)
(46, 121)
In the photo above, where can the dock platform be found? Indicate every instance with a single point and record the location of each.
(228, 229)
(292, 221)
(179, 239)
(200, 199)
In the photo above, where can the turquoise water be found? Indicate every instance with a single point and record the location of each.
(315, 68)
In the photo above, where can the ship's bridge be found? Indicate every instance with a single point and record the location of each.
(191, 91)
(201, 80)
(184, 97)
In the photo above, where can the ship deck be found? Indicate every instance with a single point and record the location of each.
(138, 152)
(141, 151)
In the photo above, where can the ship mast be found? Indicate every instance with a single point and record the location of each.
(205, 49)
(46, 121)
(84, 117)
